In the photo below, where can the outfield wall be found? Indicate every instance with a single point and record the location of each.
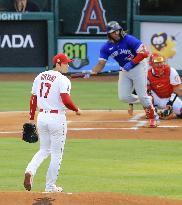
(30, 39)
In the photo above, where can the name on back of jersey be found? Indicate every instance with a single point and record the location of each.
(48, 77)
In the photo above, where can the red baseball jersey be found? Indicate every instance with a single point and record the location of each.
(161, 84)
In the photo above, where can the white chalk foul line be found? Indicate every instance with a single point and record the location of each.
(12, 132)
(101, 128)
(83, 129)
(100, 121)
(136, 117)
(169, 126)
(119, 128)
(140, 124)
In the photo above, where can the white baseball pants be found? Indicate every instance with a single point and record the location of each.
(52, 129)
(161, 103)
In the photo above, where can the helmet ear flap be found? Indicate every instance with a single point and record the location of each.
(122, 33)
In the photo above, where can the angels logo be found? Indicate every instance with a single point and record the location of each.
(93, 17)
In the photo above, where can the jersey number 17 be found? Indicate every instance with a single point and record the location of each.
(46, 88)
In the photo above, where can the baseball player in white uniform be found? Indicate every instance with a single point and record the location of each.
(51, 95)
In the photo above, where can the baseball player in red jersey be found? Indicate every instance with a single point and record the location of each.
(51, 94)
(164, 84)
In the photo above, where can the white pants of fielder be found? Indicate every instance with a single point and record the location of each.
(52, 129)
(161, 103)
(137, 79)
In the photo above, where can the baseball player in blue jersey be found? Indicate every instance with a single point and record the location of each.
(130, 53)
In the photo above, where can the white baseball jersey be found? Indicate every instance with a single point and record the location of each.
(174, 77)
(47, 87)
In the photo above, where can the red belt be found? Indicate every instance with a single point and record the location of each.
(48, 111)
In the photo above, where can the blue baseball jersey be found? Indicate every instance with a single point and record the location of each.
(123, 51)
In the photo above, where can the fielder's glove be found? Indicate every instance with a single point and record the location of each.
(167, 114)
(29, 133)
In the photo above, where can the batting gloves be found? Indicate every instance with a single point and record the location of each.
(128, 66)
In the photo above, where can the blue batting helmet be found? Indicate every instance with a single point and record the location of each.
(113, 26)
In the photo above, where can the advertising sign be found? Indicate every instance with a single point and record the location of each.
(23, 44)
(164, 38)
(85, 53)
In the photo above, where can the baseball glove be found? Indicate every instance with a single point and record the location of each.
(29, 133)
(167, 114)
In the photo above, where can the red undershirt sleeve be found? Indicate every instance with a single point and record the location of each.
(33, 106)
(141, 55)
(66, 99)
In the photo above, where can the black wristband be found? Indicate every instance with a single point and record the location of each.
(169, 103)
(172, 99)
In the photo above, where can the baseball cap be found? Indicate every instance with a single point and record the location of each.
(61, 58)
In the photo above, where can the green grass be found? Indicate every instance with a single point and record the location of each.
(141, 167)
(87, 95)
(15, 95)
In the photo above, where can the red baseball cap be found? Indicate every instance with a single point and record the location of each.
(61, 59)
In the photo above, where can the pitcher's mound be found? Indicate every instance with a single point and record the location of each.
(34, 198)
